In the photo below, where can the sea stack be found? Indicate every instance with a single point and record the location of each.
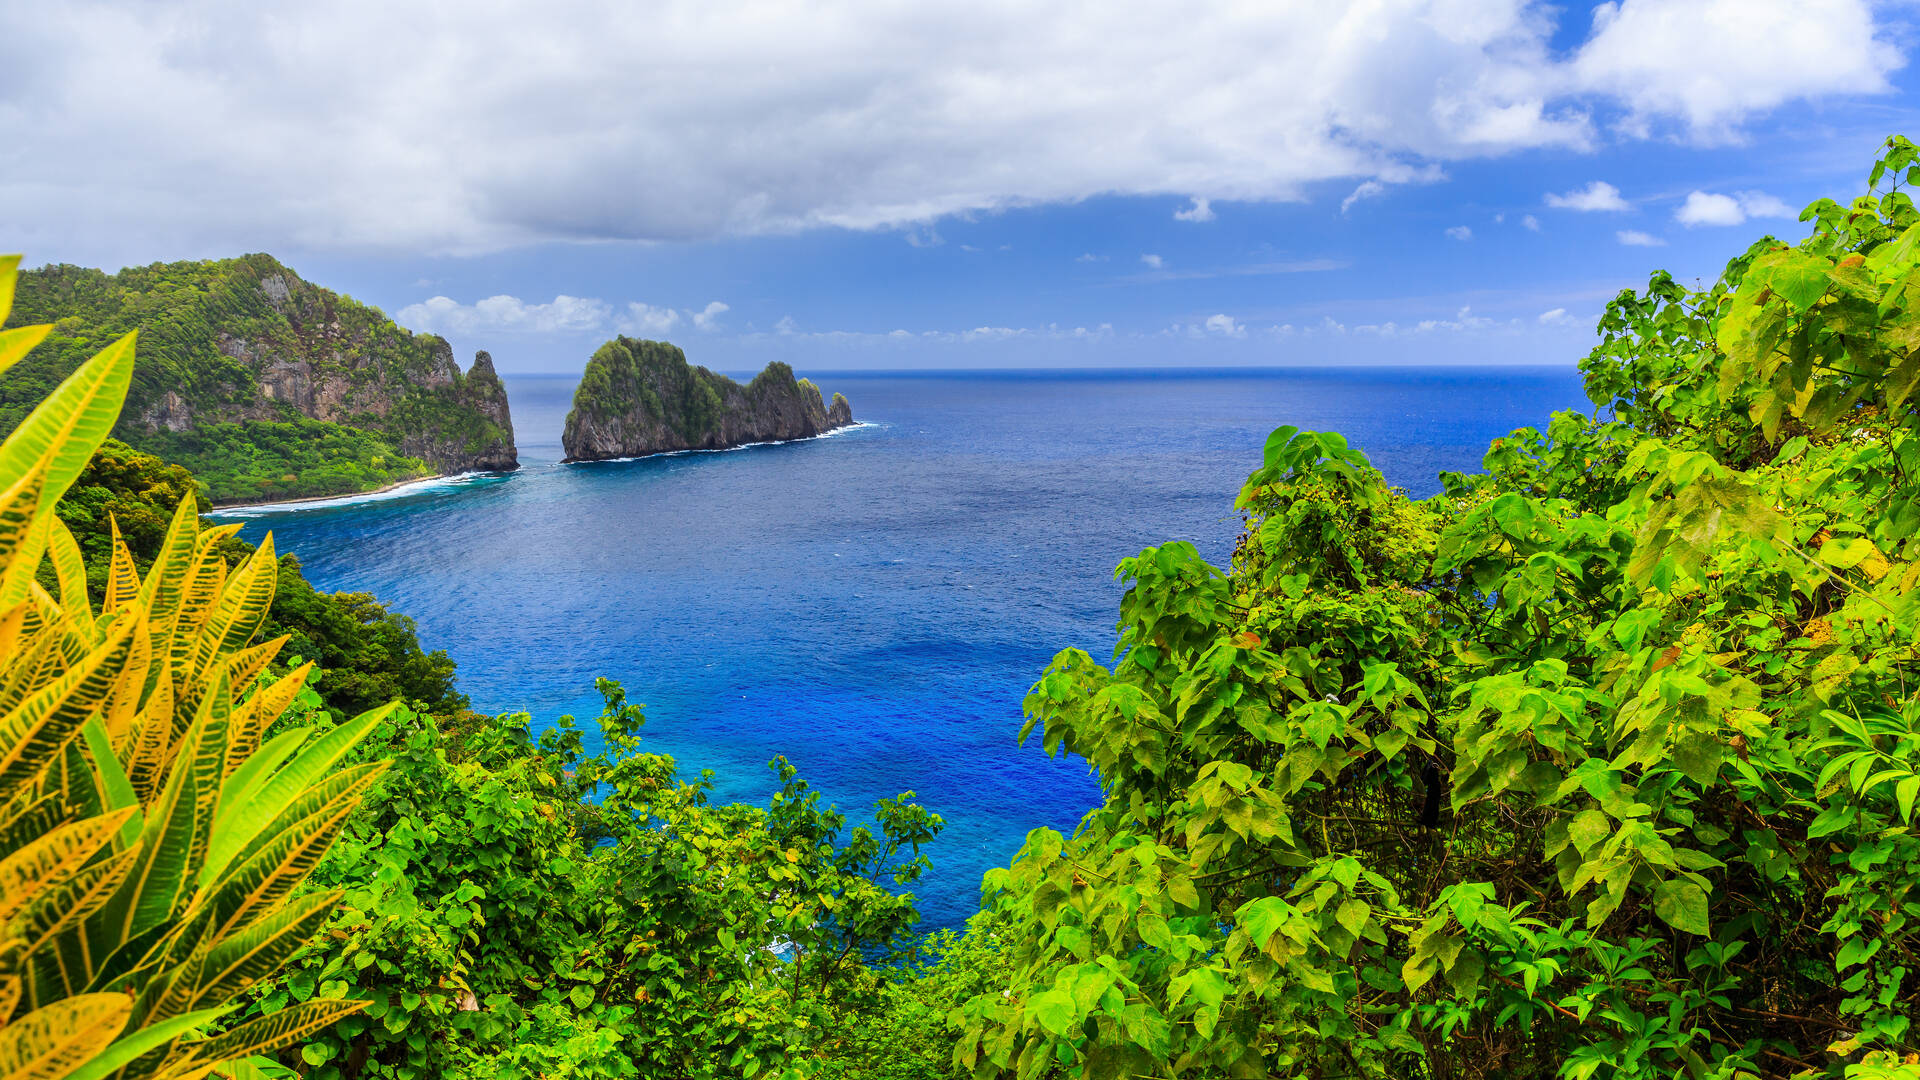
(643, 397)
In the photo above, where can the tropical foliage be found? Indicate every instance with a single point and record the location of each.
(1603, 763)
(363, 654)
(150, 841)
(516, 907)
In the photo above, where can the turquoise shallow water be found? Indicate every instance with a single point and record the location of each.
(873, 604)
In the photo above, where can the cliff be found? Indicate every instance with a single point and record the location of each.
(265, 385)
(642, 397)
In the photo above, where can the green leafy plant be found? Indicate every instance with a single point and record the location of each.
(149, 841)
(1603, 763)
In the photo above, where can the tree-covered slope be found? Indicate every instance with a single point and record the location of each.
(264, 385)
(1604, 762)
(643, 397)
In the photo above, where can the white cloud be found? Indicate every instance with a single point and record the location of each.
(1200, 210)
(1708, 64)
(1225, 326)
(1090, 257)
(708, 318)
(1557, 317)
(922, 238)
(1531, 222)
(1598, 195)
(345, 126)
(1707, 208)
(1367, 190)
(1702, 208)
(1154, 261)
(1460, 232)
(565, 314)
(1759, 204)
(645, 320)
(1636, 238)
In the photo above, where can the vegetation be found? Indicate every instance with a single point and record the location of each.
(363, 655)
(265, 386)
(1603, 763)
(642, 397)
(627, 376)
(517, 908)
(150, 840)
(265, 460)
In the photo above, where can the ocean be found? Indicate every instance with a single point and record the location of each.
(875, 603)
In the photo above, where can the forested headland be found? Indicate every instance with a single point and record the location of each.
(643, 397)
(266, 386)
(1601, 762)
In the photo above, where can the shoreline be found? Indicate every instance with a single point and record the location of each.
(849, 426)
(395, 486)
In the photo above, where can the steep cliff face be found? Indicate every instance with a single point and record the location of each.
(642, 397)
(237, 352)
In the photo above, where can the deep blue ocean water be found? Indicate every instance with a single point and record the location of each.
(873, 604)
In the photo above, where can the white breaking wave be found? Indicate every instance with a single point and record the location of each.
(398, 491)
(855, 426)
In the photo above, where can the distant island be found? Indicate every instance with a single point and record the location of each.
(265, 386)
(643, 397)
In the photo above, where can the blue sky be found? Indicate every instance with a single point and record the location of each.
(965, 185)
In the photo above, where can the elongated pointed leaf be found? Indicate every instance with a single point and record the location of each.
(54, 1042)
(123, 579)
(146, 1040)
(71, 573)
(52, 857)
(249, 775)
(62, 434)
(35, 731)
(258, 951)
(250, 722)
(18, 342)
(115, 789)
(269, 1034)
(267, 876)
(174, 842)
(244, 821)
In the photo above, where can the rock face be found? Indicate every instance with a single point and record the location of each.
(238, 341)
(642, 397)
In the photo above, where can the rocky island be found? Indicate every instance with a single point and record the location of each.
(264, 385)
(643, 397)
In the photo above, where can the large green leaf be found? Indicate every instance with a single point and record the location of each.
(60, 436)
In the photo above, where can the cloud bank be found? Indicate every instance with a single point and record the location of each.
(390, 125)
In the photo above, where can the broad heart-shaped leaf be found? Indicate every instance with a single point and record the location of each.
(52, 1042)
(1798, 277)
(1682, 905)
(61, 436)
(1054, 1010)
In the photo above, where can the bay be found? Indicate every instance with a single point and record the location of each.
(873, 604)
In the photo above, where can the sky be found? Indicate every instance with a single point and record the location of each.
(881, 185)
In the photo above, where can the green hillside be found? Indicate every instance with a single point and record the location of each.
(264, 385)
